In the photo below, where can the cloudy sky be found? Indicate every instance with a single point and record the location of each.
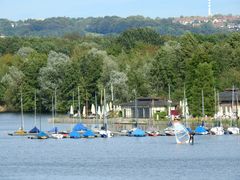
(25, 9)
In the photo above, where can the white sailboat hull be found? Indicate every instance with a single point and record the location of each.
(218, 131)
(233, 130)
(57, 136)
(105, 134)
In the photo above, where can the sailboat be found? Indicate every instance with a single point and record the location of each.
(169, 131)
(20, 131)
(201, 130)
(186, 111)
(136, 132)
(35, 129)
(54, 130)
(104, 132)
(217, 130)
(233, 129)
(79, 127)
(151, 131)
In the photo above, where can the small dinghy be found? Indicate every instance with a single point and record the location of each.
(169, 131)
(233, 130)
(201, 130)
(57, 136)
(75, 135)
(105, 134)
(42, 135)
(218, 131)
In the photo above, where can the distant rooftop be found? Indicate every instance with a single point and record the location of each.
(149, 102)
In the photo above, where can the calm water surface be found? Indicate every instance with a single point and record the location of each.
(211, 157)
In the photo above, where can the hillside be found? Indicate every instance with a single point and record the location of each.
(109, 25)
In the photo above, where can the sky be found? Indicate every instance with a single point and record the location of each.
(40, 9)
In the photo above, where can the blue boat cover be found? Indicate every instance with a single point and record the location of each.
(34, 130)
(74, 134)
(54, 130)
(42, 134)
(138, 132)
(200, 129)
(79, 127)
(88, 133)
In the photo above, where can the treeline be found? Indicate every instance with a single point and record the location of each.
(138, 60)
(107, 25)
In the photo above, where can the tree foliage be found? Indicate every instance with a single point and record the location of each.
(138, 60)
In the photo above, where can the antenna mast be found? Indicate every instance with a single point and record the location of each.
(209, 8)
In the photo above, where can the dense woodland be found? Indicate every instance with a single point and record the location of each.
(108, 25)
(138, 60)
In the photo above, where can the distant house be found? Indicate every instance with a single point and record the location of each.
(145, 107)
(229, 101)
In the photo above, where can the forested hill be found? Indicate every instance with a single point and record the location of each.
(137, 61)
(107, 25)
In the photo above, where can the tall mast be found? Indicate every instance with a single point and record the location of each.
(73, 103)
(86, 109)
(136, 110)
(232, 104)
(203, 112)
(79, 106)
(55, 106)
(53, 111)
(169, 101)
(215, 102)
(185, 104)
(104, 112)
(22, 118)
(218, 107)
(96, 105)
(112, 92)
(35, 108)
(237, 107)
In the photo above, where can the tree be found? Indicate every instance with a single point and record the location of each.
(203, 80)
(52, 76)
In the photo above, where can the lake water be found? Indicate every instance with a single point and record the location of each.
(211, 157)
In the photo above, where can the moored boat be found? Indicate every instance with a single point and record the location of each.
(89, 134)
(217, 131)
(42, 135)
(169, 131)
(153, 133)
(201, 130)
(233, 130)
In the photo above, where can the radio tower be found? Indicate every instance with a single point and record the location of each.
(209, 8)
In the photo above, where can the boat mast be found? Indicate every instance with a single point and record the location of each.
(184, 105)
(96, 109)
(232, 104)
(215, 102)
(22, 118)
(112, 93)
(218, 100)
(79, 106)
(169, 102)
(203, 112)
(237, 107)
(55, 106)
(53, 110)
(35, 108)
(73, 103)
(136, 110)
(104, 112)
